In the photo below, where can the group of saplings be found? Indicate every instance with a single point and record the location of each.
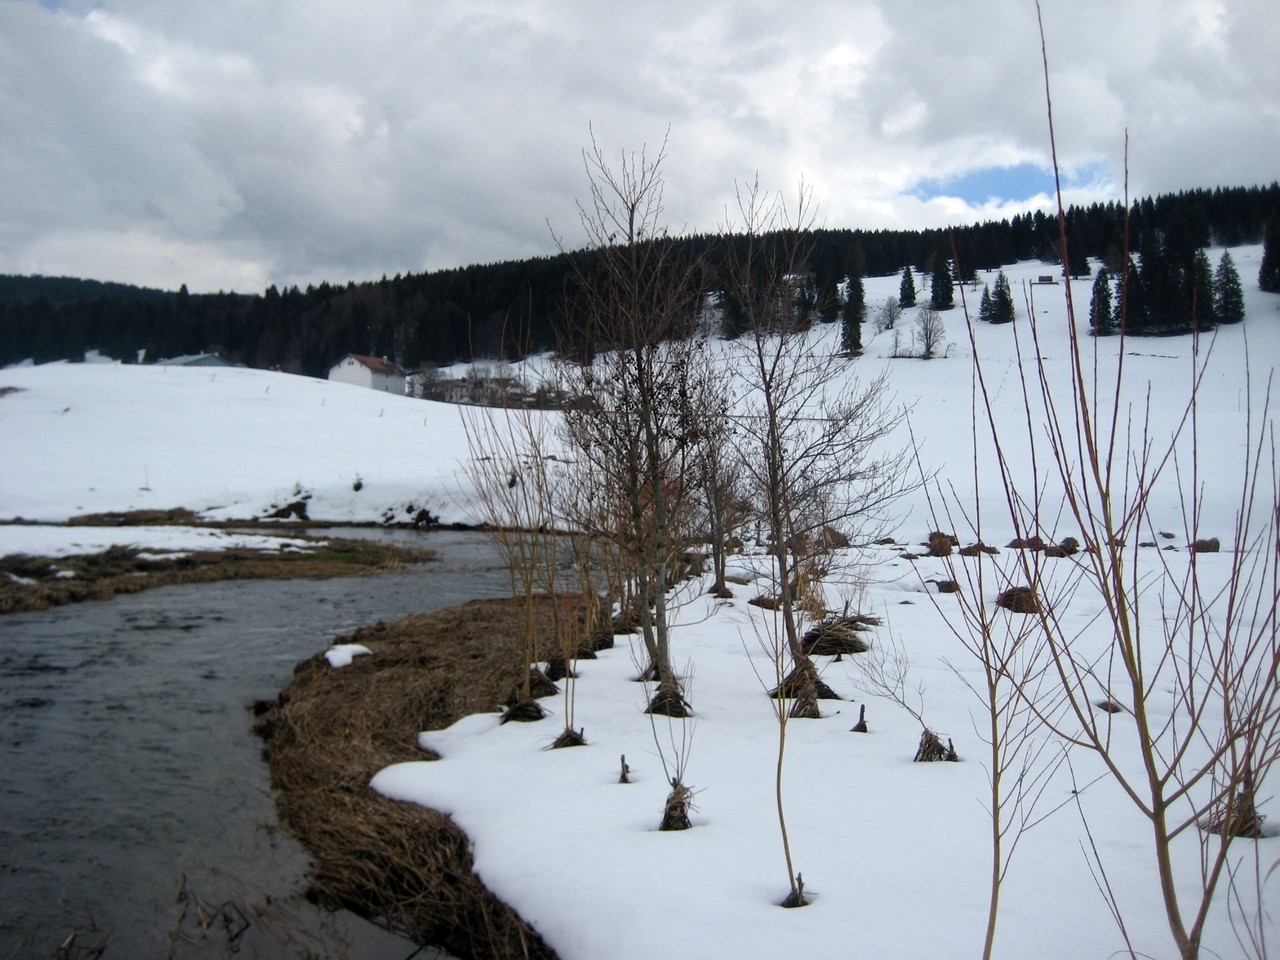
(660, 458)
(660, 454)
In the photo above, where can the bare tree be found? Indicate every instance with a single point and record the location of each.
(1189, 672)
(1022, 753)
(815, 457)
(929, 332)
(639, 297)
(812, 457)
(507, 470)
(719, 471)
(888, 315)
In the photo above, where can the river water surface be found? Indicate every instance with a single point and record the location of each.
(129, 772)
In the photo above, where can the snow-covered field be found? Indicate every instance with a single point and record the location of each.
(895, 854)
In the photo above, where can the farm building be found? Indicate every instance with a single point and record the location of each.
(373, 372)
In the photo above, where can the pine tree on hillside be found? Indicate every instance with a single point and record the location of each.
(942, 290)
(1002, 300)
(987, 308)
(1159, 293)
(907, 289)
(1078, 260)
(855, 306)
(732, 321)
(1201, 310)
(1101, 316)
(1269, 272)
(1130, 306)
(1228, 296)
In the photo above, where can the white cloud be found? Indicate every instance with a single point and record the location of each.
(293, 142)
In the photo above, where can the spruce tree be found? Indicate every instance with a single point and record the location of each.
(1269, 272)
(1228, 296)
(1002, 300)
(1159, 289)
(855, 306)
(987, 309)
(942, 290)
(1201, 310)
(1101, 317)
(907, 289)
(1078, 260)
(1130, 306)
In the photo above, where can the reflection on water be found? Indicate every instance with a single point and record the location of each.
(133, 797)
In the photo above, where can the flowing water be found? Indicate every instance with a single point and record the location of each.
(135, 809)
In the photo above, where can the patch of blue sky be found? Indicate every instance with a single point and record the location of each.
(1006, 184)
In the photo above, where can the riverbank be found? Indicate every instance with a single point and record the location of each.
(330, 730)
(30, 582)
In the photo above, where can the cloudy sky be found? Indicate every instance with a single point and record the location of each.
(230, 144)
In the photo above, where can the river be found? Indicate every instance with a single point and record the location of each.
(134, 802)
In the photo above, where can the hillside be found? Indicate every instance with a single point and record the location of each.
(516, 307)
(894, 852)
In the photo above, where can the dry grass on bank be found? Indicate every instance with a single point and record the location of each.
(37, 583)
(331, 730)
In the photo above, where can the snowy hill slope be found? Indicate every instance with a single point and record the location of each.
(895, 852)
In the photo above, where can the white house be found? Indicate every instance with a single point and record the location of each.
(378, 374)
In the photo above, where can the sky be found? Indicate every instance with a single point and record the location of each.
(233, 144)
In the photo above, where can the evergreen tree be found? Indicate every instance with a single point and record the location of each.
(828, 302)
(987, 308)
(1269, 272)
(942, 290)
(851, 317)
(1228, 296)
(1130, 306)
(856, 296)
(1077, 258)
(1002, 300)
(1101, 315)
(732, 321)
(1201, 310)
(1155, 273)
(907, 289)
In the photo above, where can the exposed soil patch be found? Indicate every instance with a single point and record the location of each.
(37, 583)
(330, 730)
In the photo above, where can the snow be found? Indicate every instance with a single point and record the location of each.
(168, 541)
(894, 854)
(227, 443)
(341, 654)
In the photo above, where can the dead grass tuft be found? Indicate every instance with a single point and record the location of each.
(837, 636)
(803, 683)
(1237, 818)
(675, 815)
(569, 738)
(941, 544)
(932, 749)
(540, 685)
(669, 702)
(1019, 600)
(523, 711)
